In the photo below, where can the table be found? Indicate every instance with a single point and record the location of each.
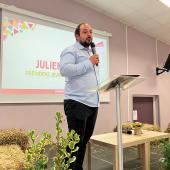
(143, 141)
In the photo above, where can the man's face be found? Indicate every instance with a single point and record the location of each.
(86, 35)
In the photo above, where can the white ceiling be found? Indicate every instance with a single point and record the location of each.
(149, 16)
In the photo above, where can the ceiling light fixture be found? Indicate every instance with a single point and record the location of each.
(166, 2)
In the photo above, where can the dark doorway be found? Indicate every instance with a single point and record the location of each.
(143, 106)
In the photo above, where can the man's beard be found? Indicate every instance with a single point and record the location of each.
(85, 43)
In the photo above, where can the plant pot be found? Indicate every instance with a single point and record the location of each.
(137, 131)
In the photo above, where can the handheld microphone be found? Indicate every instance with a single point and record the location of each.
(93, 49)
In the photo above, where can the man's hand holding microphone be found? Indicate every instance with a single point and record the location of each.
(95, 57)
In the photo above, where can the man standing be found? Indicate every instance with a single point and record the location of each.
(79, 67)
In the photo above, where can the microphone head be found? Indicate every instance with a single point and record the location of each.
(93, 47)
(92, 44)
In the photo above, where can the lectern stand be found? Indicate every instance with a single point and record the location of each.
(120, 83)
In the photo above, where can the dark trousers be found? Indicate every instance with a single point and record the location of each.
(81, 118)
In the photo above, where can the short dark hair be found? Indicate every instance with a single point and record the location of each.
(77, 30)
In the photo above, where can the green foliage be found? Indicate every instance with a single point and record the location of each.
(36, 159)
(137, 124)
(63, 157)
(64, 147)
(165, 151)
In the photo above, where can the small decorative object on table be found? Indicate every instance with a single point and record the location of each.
(137, 128)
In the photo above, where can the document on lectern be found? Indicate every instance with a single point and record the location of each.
(124, 81)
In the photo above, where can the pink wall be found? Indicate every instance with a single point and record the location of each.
(142, 60)
(164, 85)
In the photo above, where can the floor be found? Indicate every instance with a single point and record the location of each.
(102, 159)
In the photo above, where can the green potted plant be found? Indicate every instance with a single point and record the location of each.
(137, 128)
(165, 151)
(37, 155)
